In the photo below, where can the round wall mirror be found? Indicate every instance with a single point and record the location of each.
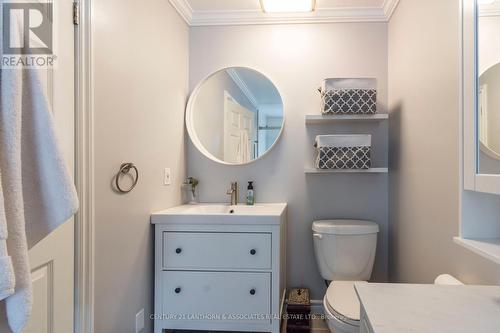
(489, 112)
(235, 116)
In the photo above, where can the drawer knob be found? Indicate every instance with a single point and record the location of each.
(177, 290)
(178, 250)
(252, 291)
(253, 251)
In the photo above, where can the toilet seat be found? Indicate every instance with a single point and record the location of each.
(342, 302)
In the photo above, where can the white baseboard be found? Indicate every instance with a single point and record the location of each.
(316, 306)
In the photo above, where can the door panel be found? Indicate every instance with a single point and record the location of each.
(237, 119)
(52, 259)
(43, 300)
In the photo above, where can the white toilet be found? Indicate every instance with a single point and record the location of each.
(345, 252)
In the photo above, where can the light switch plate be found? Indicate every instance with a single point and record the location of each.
(167, 177)
(139, 321)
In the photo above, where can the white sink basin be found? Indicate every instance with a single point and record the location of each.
(221, 214)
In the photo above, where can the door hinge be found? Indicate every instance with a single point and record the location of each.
(76, 13)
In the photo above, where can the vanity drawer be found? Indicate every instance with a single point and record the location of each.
(216, 296)
(216, 251)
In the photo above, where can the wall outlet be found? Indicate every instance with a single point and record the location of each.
(139, 321)
(167, 177)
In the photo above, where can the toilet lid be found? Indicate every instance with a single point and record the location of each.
(345, 227)
(343, 301)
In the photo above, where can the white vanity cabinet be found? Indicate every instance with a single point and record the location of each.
(223, 270)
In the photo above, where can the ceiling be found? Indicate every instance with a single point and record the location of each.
(242, 12)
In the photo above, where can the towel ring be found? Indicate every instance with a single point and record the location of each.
(125, 169)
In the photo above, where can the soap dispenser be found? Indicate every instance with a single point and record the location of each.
(250, 194)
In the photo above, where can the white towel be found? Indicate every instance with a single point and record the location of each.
(39, 194)
(7, 279)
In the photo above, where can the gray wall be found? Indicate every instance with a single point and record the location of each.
(297, 58)
(141, 68)
(424, 148)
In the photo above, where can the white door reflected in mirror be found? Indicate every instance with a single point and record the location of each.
(235, 116)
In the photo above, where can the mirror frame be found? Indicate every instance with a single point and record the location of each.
(472, 179)
(190, 121)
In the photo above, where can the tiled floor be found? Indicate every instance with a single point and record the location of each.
(318, 325)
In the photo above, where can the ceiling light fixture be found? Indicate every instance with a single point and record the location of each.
(287, 6)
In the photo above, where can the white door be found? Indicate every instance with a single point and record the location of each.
(236, 120)
(483, 114)
(52, 260)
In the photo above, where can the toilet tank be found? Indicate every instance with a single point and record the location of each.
(345, 249)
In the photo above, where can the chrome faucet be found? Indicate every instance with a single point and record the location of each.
(234, 193)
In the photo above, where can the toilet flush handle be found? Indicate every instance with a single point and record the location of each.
(318, 236)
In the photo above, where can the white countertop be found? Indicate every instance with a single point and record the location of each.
(410, 308)
(206, 213)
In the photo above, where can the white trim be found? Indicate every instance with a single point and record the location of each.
(468, 93)
(487, 248)
(317, 307)
(243, 87)
(84, 153)
(389, 8)
(184, 9)
(248, 17)
(461, 163)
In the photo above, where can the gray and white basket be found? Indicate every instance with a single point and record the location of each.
(349, 96)
(343, 151)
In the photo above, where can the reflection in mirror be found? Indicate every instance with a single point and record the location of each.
(235, 116)
(488, 99)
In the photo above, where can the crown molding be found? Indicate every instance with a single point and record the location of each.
(251, 17)
(243, 86)
(389, 7)
(184, 9)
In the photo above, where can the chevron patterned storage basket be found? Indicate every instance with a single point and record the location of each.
(343, 151)
(349, 96)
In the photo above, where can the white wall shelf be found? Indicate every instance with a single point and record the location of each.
(311, 171)
(488, 248)
(317, 119)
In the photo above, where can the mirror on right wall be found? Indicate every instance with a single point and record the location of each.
(488, 87)
(480, 95)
